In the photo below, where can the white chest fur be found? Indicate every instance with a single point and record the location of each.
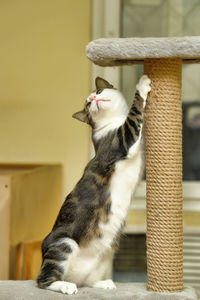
(123, 184)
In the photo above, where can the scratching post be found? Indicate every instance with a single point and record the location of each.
(162, 59)
(163, 133)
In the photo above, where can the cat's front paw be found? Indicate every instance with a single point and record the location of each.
(144, 87)
(105, 284)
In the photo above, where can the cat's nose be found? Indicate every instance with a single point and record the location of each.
(93, 98)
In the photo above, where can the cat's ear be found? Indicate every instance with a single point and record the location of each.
(102, 84)
(81, 116)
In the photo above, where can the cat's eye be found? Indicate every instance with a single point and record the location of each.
(99, 91)
(88, 104)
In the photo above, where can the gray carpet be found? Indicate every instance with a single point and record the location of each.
(27, 290)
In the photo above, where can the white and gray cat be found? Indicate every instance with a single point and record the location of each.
(77, 250)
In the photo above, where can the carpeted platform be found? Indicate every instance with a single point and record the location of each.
(27, 290)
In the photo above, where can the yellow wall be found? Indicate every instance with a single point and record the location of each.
(44, 79)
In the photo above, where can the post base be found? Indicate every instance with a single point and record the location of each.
(17, 290)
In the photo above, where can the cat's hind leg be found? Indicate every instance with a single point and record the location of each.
(64, 287)
(56, 259)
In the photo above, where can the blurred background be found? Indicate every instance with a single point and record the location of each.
(44, 78)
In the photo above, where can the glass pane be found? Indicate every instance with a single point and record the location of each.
(157, 18)
(130, 259)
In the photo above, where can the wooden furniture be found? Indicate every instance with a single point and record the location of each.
(30, 198)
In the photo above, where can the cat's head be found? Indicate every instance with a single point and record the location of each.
(103, 105)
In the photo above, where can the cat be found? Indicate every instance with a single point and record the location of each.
(81, 244)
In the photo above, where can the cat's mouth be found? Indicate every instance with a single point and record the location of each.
(99, 100)
(104, 100)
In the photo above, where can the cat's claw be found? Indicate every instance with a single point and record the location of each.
(144, 87)
(69, 288)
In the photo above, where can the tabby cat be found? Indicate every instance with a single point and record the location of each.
(78, 249)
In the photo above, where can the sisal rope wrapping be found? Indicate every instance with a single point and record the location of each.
(163, 132)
